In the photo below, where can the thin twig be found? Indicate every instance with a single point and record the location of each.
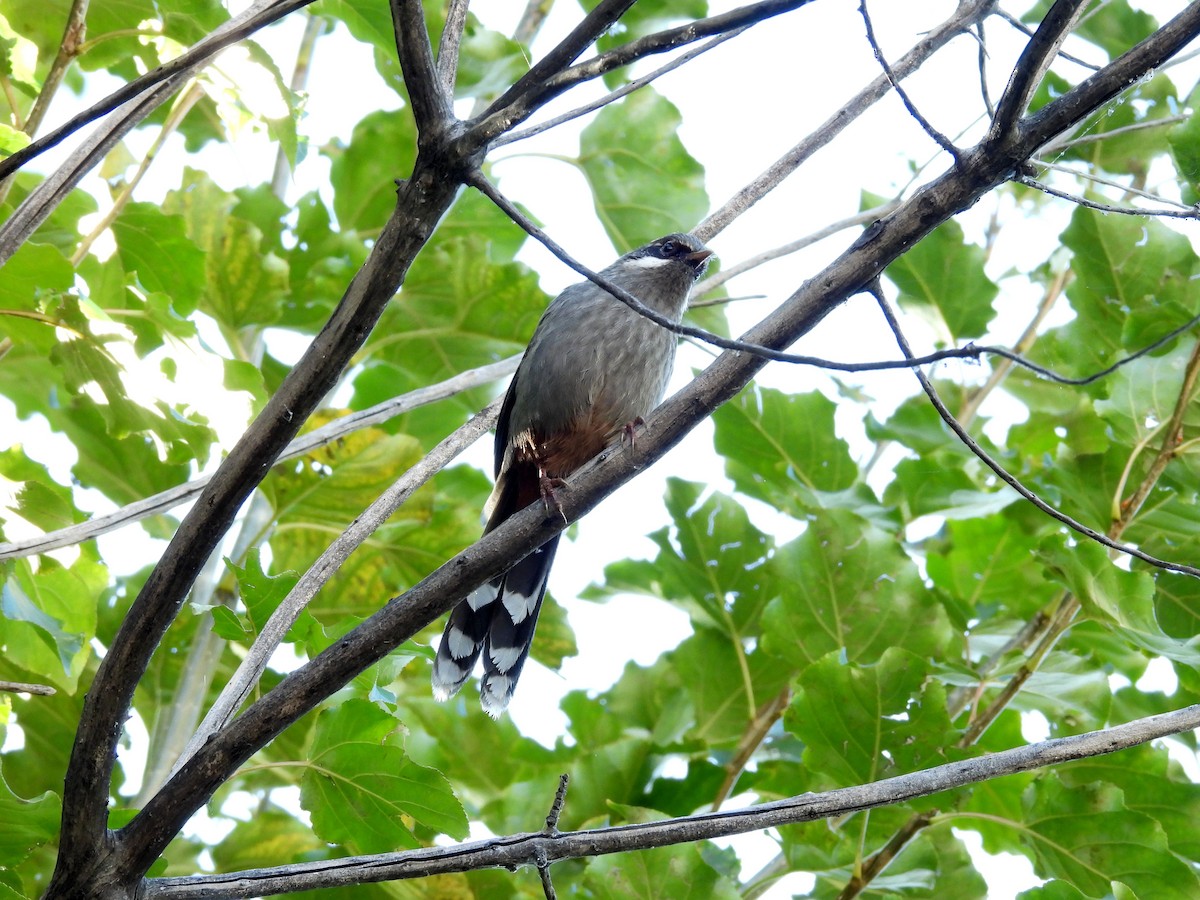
(305, 443)
(313, 28)
(21, 687)
(879, 860)
(556, 808)
(1028, 32)
(863, 218)
(1011, 480)
(250, 21)
(451, 41)
(966, 14)
(971, 351)
(983, 58)
(523, 98)
(1191, 213)
(938, 138)
(68, 48)
(620, 92)
(284, 616)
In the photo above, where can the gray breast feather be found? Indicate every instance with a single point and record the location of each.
(590, 348)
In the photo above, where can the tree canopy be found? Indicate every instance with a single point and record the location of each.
(919, 609)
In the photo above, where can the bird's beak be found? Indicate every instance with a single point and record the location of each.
(697, 258)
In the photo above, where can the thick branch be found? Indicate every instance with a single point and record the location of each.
(421, 203)
(861, 264)
(1031, 67)
(582, 36)
(534, 848)
(431, 100)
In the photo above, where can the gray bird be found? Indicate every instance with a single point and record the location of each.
(593, 368)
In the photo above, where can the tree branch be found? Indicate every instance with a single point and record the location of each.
(235, 692)
(938, 138)
(1032, 66)
(449, 44)
(495, 119)
(528, 849)
(305, 443)
(1002, 473)
(620, 92)
(432, 101)
(1190, 213)
(68, 49)
(421, 203)
(258, 16)
(966, 15)
(663, 41)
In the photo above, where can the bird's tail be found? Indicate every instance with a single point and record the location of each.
(498, 618)
(513, 621)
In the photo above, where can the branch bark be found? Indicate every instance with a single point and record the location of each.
(983, 168)
(533, 849)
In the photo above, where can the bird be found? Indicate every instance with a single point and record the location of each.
(593, 369)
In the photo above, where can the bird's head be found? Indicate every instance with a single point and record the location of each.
(674, 253)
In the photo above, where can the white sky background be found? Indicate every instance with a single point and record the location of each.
(743, 105)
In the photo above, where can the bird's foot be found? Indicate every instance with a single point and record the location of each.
(629, 432)
(548, 483)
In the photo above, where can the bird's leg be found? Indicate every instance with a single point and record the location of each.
(548, 483)
(629, 432)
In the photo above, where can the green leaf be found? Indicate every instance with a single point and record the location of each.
(849, 715)
(41, 500)
(846, 586)
(28, 824)
(364, 792)
(679, 871)
(1142, 396)
(1118, 28)
(1122, 600)
(271, 838)
(984, 564)
(317, 496)
(50, 617)
(363, 179)
(245, 285)
(943, 276)
(1087, 837)
(928, 486)
(783, 448)
(1151, 784)
(1131, 286)
(632, 152)
(726, 684)
(156, 246)
(1184, 140)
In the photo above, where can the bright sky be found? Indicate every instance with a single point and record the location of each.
(743, 106)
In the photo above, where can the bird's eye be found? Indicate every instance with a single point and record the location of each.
(669, 248)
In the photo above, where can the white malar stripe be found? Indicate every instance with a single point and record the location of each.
(647, 262)
(482, 596)
(505, 657)
(519, 606)
(460, 645)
